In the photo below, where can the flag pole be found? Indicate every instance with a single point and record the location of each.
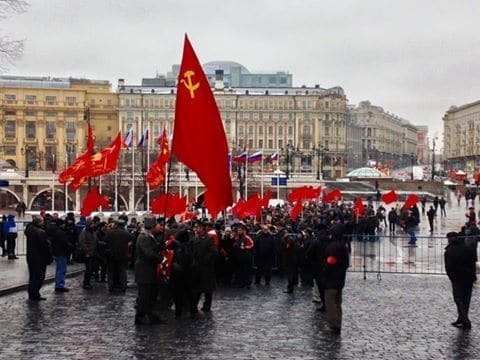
(246, 175)
(132, 200)
(53, 182)
(116, 190)
(100, 189)
(148, 167)
(261, 180)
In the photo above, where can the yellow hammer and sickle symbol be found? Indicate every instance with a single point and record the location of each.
(189, 84)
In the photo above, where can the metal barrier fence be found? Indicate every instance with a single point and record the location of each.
(393, 254)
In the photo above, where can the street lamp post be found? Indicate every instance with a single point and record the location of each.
(288, 161)
(27, 150)
(433, 160)
(320, 157)
(412, 159)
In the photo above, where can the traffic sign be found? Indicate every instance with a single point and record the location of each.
(4, 183)
(282, 181)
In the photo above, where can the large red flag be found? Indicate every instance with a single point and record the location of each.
(389, 197)
(412, 199)
(80, 163)
(169, 205)
(156, 173)
(93, 200)
(199, 139)
(296, 211)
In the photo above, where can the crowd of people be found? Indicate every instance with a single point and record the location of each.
(179, 264)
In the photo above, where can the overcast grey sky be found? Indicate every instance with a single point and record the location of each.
(414, 58)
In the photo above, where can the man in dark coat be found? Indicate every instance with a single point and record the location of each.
(87, 242)
(316, 257)
(392, 220)
(290, 264)
(10, 235)
(264, 251)
(60, 250)
(243, 249)
(204, 256)
(336, 264)
(460, 268)
(117, 242)
(147, 258)
(431, 217)
(38, 257)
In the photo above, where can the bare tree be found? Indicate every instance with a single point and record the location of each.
(10, 49)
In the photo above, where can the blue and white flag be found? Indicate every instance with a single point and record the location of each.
(128, 141)
(143, 139)
(256, 156)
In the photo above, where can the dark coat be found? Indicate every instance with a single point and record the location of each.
(147, 258)
(87, 241)
(38, 248)
(264, 246)
(204, 255)
(460, 262)
(336, 272)
(116, 244)
(60, 245)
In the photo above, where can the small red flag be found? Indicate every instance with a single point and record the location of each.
(169, 205)
(389, 197)
(93, 200)
(333, 195)
(156, 173)
(199, 139)
(266, 198)
(297, 209)
(412, 199)
(358, 207)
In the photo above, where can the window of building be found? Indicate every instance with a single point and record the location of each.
(280, 130)
(10, 150)
(240, 129)
(10, 129)
(30, 130)
(260, 143)
(260, 129)
(250, 143)
(30, 113)
(250, 130)
(51, 100)
(50, 157)
(92, 102)
(50, 114)
(327, 105)
(327, 131)
(10, 113)
(70, 131)
(270, 143)
(10, 97)
(50, 130)
(280, 144)
(240, 143)
(71, 100)
(30, 99)
(306, 144)
(290, 130)
(270, 130)
(70, 114)
(307, 130)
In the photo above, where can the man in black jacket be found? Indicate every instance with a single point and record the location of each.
(38, 257)
(336, 264)
(460, 268)
(117, 242)
(264, 251)
(60, 250)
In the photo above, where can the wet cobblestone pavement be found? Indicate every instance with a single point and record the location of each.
(399, 317)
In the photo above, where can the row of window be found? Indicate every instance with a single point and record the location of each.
(10, 130)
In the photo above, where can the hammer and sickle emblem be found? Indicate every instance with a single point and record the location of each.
(189, 84)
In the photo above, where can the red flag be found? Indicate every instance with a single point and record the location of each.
(237, 209)
(93, 200)
(81, 162)
(266, 198)
(304, 193)
(297, 209)
(98, 164)
(199, 139)
(169, 205)
(156, 173)
(333, 195)
(389, 197)
(358, 207)
(412, 199)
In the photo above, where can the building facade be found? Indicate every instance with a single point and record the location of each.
(461, 138)
(43, 122)
(387, 140)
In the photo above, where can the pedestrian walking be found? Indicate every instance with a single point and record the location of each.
(38, 257)
(60, 250)
(336, 264)
(431, 217)
(10, 235)
(392, 220)
(460, 268)
(442, 202)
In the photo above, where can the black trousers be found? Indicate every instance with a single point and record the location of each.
(36, 277)
(147, 294)
(462, 294)
(117, 274)
(264, 268)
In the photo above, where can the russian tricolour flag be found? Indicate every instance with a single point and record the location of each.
(128, 141)
(257, 156)
(242, 157)
(274, 157)
(143, 139)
